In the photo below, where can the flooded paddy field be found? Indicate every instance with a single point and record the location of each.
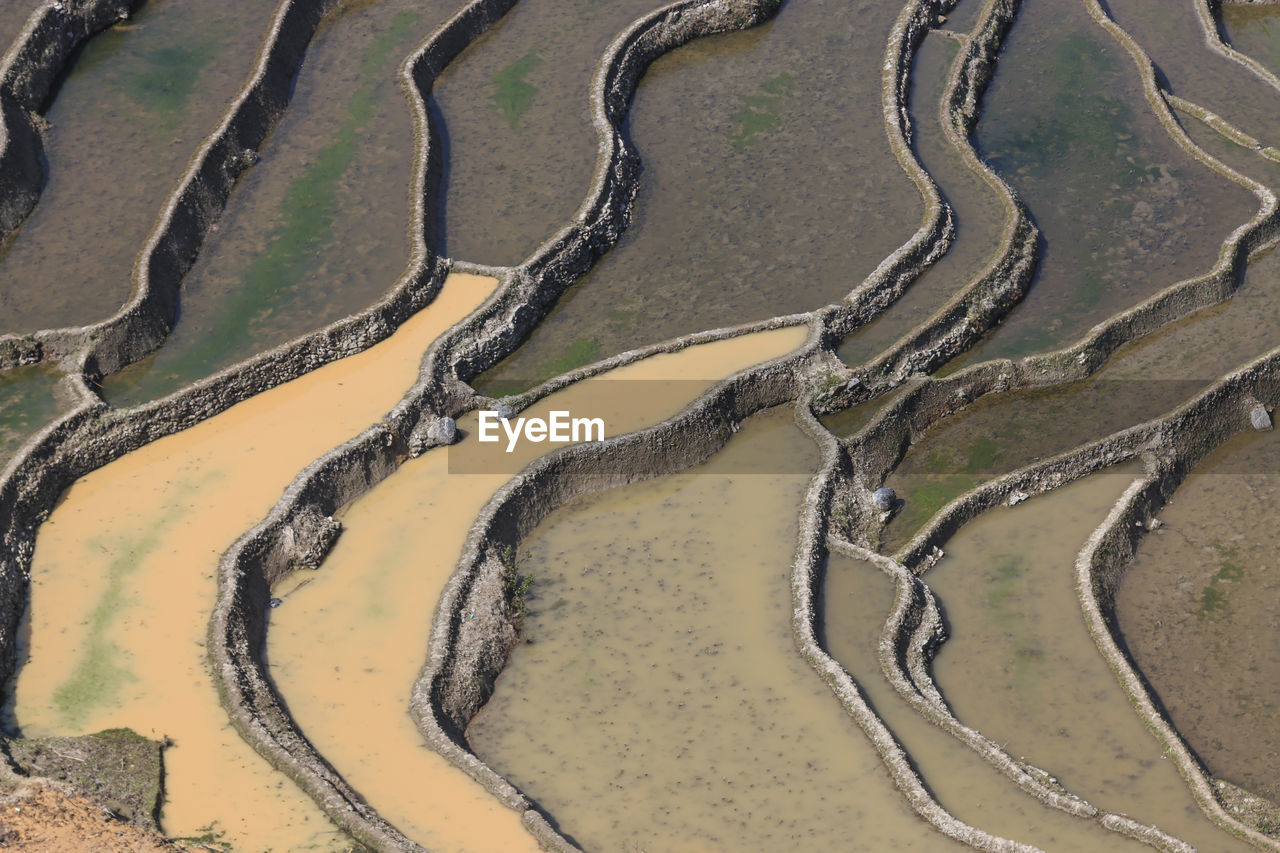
(1197, 611)
(123, 575)
(1143, 380)
(28, 401)
(675, 683)
(756, 148)
(515, 123)
(1122, 209)
(1021, 667)
(344, 662)
(135, 105)
(610, 645)
(1254, 31)
(321, 227)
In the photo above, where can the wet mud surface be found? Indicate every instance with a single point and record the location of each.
(978, 212)
(519, 147)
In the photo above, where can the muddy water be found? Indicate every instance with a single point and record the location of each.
(1197, 609)
(1143, 380)
(857, 599)
(136, 105)
(768, 188)
(28, 401)
(1173, 37)
(123, 579)
(979, 214)
(319, 229)
(1255, 31)
(1124, 211)
(657, 701)
(328, 648)
(1021, 667)
(519, 146)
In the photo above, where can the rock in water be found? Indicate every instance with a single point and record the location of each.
(1259, 418)
(885, 498)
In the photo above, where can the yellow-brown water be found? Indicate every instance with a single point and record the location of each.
(123, 581)
(657, 701)
(857, 598)
(1197, 609)
(1021, 667)
(345, 648)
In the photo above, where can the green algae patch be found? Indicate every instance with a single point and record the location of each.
(118, 768)
(275, 282)
(512, 92)
(762, 111)
(104, 667)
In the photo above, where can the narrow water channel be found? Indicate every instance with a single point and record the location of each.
(1021, 667)
(122, 583)
(1143, 380)
(857, 598)
(137, 103)
(346, 646)
(980, 217)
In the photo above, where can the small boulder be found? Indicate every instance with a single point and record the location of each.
(1259, 418)
(884, 498)
(432, 432)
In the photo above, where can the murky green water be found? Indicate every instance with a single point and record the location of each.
(657, 701)
(134, 108)
(27, 402)
(519, 145)
(979, 214)
(1124, 212)
(1255, 31)
(1143, 380)
(1197, 609)
(1021, 667)
(318, 229)
(768, 188)
(857, 597)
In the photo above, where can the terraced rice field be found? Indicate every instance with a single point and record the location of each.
(612, 425)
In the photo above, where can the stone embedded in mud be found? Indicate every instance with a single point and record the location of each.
(1259, 418)
(432, 432)
(885, 498)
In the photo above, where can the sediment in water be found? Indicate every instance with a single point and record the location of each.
(140, 632)
(400, 543)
